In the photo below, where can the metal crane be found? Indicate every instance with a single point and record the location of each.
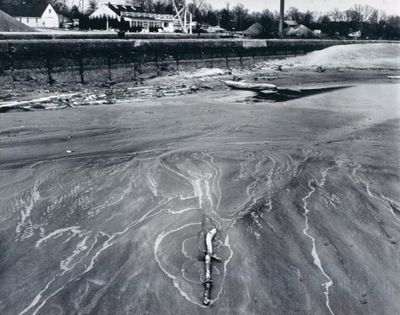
(184, 16)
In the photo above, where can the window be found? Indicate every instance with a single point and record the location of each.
(37, 20)
(27, 19)
(49, 10)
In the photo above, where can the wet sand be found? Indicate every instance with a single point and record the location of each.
(102, 206)
(31, 96)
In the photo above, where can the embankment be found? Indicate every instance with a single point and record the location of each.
(102, 60)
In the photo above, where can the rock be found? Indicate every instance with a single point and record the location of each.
(206, 86)
(30, 77)
(90, 98)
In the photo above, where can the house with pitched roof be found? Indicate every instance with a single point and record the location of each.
(295, 29)
(135, 16)
(34, 14)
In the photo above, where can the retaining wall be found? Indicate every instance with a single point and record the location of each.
(97, 60)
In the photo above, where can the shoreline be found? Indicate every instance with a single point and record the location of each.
(85, 188)
(58, 96)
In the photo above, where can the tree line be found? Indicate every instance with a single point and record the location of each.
(373, 23)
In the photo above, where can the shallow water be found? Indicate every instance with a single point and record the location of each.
(101, 207)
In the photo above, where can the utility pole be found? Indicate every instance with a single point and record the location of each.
(83, 6)
(282, 13)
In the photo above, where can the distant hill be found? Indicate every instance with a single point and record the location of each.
(9, 24)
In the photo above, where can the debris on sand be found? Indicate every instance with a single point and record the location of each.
(202, 73)
(268, 92)
(44, 102)
(242, 85)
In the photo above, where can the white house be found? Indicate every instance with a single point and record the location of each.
(35, 15)
(135, 16)
(355, 35)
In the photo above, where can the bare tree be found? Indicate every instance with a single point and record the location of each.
(147, 5)
(93, 5)
(308, 18)
(373, 17)
(338, 16)
(267, 20)
(240, 14)
(367, 12)
(354, 15)
(382, 17)
(293, 14)
(198, 4)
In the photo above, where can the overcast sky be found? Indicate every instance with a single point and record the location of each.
(389, 6)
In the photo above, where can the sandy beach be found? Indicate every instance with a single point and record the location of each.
(102, 206)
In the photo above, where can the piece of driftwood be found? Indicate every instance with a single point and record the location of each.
(268, 92)
(207, 264)
(242, 85)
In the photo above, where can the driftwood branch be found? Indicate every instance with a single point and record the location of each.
(208, 256)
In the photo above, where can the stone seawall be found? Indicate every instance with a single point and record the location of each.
(102, 60)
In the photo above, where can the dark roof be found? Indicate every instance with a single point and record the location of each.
(291, 23)
(127, 18)
(299, 31)
(124, 8)
(254, 30)
(26, 10)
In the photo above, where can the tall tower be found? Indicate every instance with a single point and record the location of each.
(183, 15)
(282, 16)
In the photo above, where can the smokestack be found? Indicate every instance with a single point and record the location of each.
(282, 11)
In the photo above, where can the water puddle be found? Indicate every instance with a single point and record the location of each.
(286, 94)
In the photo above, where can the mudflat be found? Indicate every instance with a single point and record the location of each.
(101, 207)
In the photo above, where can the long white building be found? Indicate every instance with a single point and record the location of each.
(135, 16)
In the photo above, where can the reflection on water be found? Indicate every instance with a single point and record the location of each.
(286, 94)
